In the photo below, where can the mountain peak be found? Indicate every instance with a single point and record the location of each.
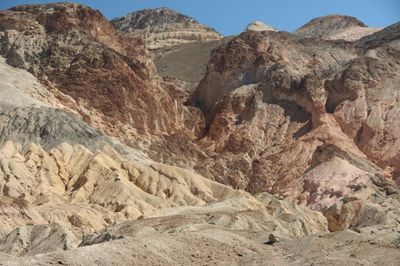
(326, 26)
(162, 27)
(258, 25)
(151, 17)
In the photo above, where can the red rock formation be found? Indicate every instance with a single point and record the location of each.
(107, 74)
(272, 101)
(303, 118)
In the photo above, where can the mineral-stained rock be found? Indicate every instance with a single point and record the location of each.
(372, 209)
(273, 103)
(261, 102)
(73, 192)
(108, 78)
(307, 118)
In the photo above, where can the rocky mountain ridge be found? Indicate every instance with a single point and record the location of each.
(335, 27)
(163, 27)
(280, 140)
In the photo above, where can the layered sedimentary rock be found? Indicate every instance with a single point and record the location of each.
(62, 181)
(163, 27)
(102, 161)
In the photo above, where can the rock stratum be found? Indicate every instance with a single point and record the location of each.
(263, 148)
(163, 27)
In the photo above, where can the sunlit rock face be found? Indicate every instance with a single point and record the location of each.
(275, 103)
(259, 26)
(163, 27)
(275, 140)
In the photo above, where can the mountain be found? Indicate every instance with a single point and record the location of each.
(163, 27)
(335, 27)
(264, 146)
(276, 109)
(106, 77)
(63, 179)
(259, 26)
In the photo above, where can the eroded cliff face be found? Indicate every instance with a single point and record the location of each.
(63, 178)
(63, 183)
(276, 105)
(262, 100)
(108, 78)
(101, 158)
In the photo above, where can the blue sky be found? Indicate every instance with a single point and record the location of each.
(232, 16)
